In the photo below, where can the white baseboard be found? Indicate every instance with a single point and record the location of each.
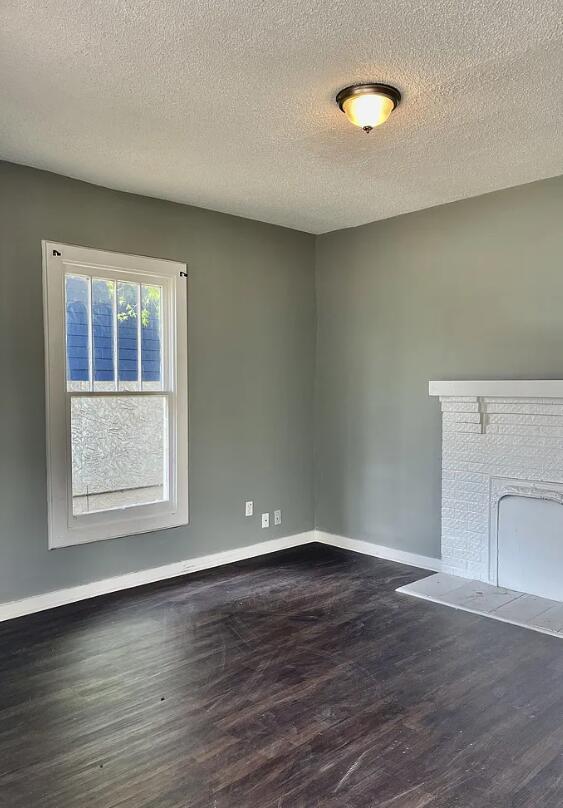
(379, 551)
(60, 597)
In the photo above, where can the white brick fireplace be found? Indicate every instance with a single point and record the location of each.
(499, 438)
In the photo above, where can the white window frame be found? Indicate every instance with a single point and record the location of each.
(65, 528)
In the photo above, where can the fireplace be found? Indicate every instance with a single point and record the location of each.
(502, 439)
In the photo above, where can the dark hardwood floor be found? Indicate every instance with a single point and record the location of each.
(299, 680)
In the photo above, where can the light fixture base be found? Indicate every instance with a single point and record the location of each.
(368, 89)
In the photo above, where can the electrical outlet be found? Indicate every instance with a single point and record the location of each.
(265, 520)
(277, 517)
(249, 507)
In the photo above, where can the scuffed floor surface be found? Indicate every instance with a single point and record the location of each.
(299, 680)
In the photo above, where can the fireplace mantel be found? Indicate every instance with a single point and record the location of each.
(505, 388)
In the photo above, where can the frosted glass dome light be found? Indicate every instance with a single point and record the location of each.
(368, 105)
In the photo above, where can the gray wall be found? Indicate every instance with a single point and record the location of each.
(468, 290)
(251, 370)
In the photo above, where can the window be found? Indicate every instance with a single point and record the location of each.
(117, 411)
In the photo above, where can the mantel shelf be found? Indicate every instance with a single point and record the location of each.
(502, 388)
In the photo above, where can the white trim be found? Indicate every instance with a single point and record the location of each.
(379, 551)
(60, 597)
(64, 527)
(73, 594)
(519, 388)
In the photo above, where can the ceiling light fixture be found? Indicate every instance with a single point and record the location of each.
(368, 105)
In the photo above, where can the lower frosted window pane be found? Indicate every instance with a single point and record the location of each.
(119, 452)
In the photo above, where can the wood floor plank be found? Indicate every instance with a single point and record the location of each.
(299, 680)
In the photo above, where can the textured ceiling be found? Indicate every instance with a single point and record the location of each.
(230, 105)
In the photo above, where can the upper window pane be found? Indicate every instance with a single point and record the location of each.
(151, 337)
(77, 306)
(128, 328)
(103, 334)
(109, 346)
